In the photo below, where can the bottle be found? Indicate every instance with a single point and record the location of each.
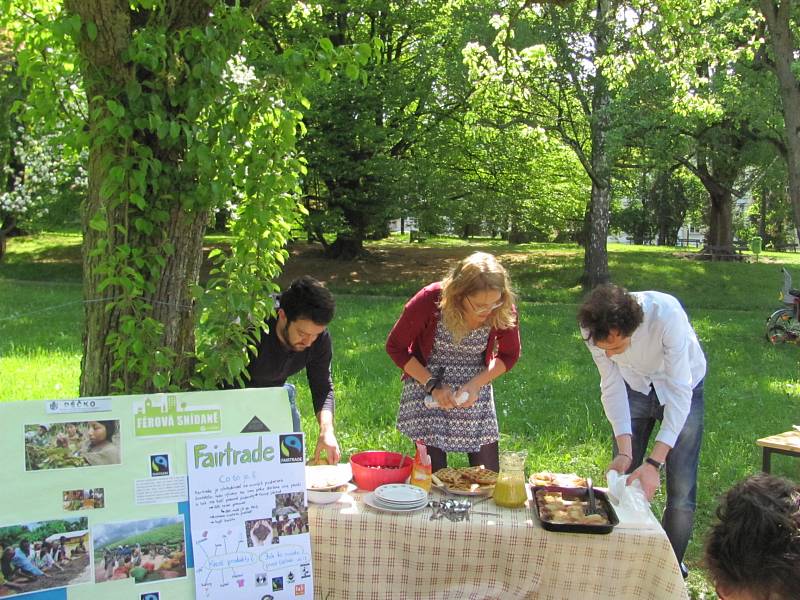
(510, 490)
(421, 469)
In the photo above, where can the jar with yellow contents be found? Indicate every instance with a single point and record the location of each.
(510, 490)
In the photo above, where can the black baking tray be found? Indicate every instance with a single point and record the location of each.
(580, 493)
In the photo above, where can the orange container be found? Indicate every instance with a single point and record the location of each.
(377, 467)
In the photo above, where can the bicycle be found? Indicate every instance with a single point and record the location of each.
(783, 325)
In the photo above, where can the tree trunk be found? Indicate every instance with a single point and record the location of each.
(105, 73)
(778, 15)
(345, 248)
(720, 230)
(595, 263)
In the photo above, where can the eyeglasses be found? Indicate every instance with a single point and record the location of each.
(483, 310)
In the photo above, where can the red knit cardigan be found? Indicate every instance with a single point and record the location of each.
(415, 330)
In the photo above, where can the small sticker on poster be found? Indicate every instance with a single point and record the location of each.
(249, 522)
(164, 490)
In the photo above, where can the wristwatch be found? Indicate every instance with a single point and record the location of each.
(431, 384)
(652, 461)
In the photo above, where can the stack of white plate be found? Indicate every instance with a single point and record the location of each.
(397, 497)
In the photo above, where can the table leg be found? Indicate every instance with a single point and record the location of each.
(765, 459)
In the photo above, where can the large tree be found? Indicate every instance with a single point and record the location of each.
(362, 131)
(782, 18)
(697, 96)
(549, 70)
(177, 125)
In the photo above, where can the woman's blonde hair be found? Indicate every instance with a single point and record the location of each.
(477, 272)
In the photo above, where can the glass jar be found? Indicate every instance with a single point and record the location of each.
(510, 490)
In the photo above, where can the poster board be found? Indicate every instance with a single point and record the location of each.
(249, 523)
(113, 491)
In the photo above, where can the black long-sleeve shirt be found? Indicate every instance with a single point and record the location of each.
(274, 363)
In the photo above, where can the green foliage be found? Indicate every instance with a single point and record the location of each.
(177, 128)
(11, 536)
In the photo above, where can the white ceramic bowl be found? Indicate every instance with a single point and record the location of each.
(329, 497)
(326, 477)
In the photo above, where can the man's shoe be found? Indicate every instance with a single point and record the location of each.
(684, 571)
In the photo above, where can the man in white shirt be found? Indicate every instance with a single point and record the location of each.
(651, 369)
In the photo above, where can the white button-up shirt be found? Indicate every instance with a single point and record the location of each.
(664, 352)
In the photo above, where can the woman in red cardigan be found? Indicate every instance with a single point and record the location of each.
(454, 337)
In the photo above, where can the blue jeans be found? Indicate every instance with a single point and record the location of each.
(292, 391)
(682, 461)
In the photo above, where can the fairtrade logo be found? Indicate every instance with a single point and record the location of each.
(150, 596)
(159, 465)
(291, 448)
(277, 584)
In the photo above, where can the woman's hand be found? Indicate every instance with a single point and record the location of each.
(444, 397)
(472, 390)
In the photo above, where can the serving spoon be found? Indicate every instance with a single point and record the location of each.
(592, 508)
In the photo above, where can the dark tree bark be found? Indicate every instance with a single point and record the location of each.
(595, 263)
(719, 181)
(105, 73)
(763, 206)
(778, 15)
(7, 225)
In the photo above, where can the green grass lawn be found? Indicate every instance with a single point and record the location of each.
(548, 404)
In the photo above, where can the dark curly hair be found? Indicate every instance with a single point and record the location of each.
(755, 546)
(307, 298)
(609, 307)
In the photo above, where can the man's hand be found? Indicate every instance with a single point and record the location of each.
(326, 442)
(649, 477)
(620, 464)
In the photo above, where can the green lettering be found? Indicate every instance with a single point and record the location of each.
(198, 450)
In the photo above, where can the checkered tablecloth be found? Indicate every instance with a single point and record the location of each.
(360, 553)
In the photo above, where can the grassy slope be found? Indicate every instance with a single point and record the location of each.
(548, 404)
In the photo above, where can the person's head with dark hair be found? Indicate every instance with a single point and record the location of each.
(306, 308)
(5, 562)
(753, 552)
(306, 298)
(101, 432)
(610, 315)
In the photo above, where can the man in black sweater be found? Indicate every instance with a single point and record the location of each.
(298, 339)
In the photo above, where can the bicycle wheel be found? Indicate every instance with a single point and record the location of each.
(779, 326)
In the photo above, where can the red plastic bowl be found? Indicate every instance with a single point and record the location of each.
(377, 467)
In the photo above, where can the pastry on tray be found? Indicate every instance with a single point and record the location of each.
(559, 479)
